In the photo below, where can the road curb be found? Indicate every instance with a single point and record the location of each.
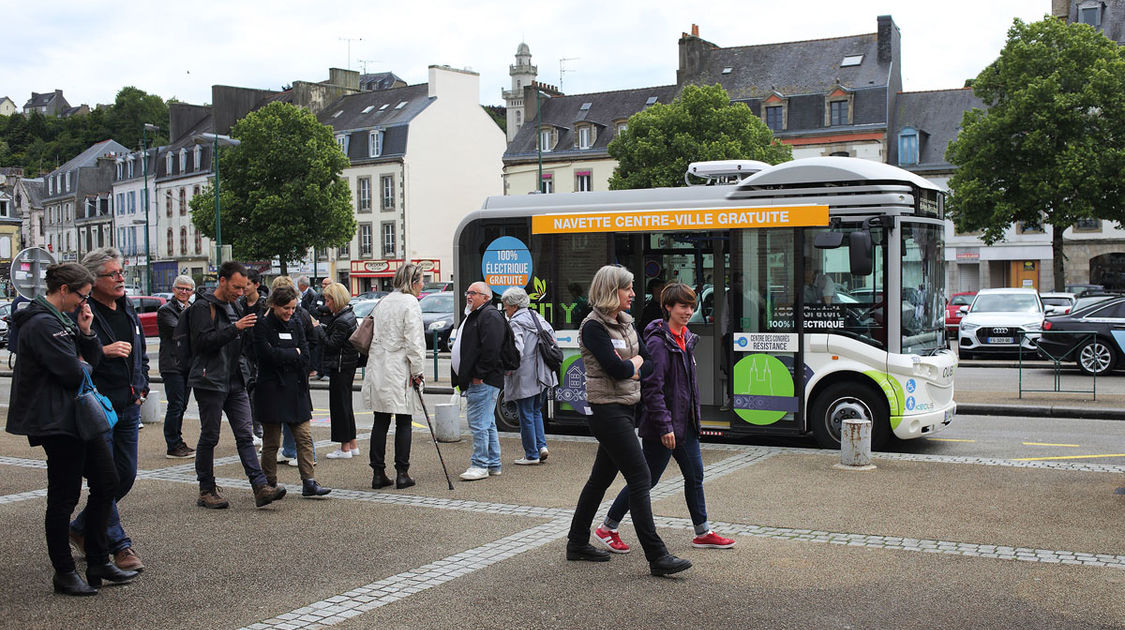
(1052, 411)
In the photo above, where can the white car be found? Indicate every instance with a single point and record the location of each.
(1057, 303)
(1000, 320)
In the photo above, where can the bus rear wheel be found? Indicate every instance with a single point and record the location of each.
(846, 401)
(507, 414)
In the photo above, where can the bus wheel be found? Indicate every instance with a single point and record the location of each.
(844, 401)
(507, 414)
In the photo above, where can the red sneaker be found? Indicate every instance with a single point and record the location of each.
(711, 540)
(610, 539)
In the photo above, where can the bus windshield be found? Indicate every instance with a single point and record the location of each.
(837, 301)
(923, 288)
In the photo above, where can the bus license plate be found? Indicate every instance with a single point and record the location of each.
(1001, 340)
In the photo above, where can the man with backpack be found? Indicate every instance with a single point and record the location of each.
(478, 371)
(215, 332)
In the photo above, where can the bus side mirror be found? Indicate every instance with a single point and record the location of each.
(860, 252)
(828, 240)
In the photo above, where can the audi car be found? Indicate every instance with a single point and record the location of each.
(1092, 337)
(1000, 321)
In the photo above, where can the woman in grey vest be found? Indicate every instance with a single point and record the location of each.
(615, 362)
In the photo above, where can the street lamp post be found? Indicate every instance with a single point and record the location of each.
(218, 207)
(144, 168)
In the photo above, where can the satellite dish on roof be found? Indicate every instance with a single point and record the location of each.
(29, 272)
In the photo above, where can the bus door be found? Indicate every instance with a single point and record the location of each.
(761, 372)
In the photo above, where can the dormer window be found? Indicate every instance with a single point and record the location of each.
(183, 160)
(775, 110)
(546, 139)
(342, 142)
(168, 163)
(129, 169)
(197, 155)
(837, 108)
(908, 146)
(585, 137)
(67, 181)
(120, 169)
(621, 126)
(375, 144)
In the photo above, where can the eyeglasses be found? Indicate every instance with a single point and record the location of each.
(472, 293)
(117, 275)
(84, 298)
(181, 288)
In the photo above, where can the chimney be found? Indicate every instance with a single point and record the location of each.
(886, 34)
(1061, 9)
(695, 30)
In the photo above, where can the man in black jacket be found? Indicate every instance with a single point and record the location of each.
(174, 375)
(478, 373)
(122, 376)
(218, 374)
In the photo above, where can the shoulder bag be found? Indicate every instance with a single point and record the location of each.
(93, 413)
(361, 338)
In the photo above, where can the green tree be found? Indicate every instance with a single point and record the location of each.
(131, 110)
(1050, 148)
(701, 124)
(280, 189)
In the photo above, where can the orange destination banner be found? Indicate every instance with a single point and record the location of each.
(677, 220)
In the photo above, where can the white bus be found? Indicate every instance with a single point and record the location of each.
(821, 286)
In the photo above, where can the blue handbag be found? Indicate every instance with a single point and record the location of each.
(93, 413)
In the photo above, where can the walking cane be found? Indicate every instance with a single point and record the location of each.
(433, 435)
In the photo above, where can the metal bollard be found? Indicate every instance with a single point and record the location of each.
(855, 445)
(447, 425)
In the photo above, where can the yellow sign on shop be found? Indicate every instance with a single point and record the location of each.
(678, 220)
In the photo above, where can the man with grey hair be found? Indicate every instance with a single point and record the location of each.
(122, 376)
(308, 296)
(174, 374)
(479, 374)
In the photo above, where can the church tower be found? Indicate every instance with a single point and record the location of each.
(523, 74)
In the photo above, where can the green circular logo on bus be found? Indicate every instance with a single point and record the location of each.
(763, 389)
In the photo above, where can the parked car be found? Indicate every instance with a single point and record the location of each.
(362, 308)
(437, 316)
(1082, 289)
(166, 296)
(1087, 299)
(993, 323)
(953, 311)
(435, 287)
(1057, 303)
(1095, 353)
(5, 317)
(369, 295)
(146, 306)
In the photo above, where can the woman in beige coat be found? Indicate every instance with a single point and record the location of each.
(394, 366)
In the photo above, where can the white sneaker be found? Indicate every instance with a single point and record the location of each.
(523, 461)
(281, 459)
(355, 452)
(338, 454)
(257, 441)
(543, 454)
(294, 463)
(474, 473)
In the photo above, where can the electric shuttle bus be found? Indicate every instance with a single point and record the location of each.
(820, 285)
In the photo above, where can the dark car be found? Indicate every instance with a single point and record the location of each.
(1092, 337)
(146, 306)
(437, 316)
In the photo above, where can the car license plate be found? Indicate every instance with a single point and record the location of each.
(948, 416)
(1001, 340)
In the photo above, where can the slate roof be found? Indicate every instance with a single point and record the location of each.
(39, 100)
(937, 117)
(358, 114)
(90, 156)
(35, 189)
(379, 81)
(792, 68)
(563, 112)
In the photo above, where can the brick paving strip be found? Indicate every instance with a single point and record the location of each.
(357, 601)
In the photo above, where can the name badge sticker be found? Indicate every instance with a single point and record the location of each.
(285, 336)
(618, 344)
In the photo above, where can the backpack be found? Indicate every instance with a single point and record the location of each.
(181, 337)
(509, 357)
(549, 349)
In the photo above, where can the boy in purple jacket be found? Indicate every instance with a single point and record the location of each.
(669, 423)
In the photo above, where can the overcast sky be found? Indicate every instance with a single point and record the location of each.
(90, 49)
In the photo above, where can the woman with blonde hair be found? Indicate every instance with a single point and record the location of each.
(615, 363)
(398, 348)
(339, 363)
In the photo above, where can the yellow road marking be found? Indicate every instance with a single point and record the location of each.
(950, 440)
(1049, 444)
(1040, 459)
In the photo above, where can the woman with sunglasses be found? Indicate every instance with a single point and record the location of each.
(47, 377)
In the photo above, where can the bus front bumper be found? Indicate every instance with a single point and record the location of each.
(925, 424)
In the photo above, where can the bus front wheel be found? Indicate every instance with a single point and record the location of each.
(507, 414)
(845, 401)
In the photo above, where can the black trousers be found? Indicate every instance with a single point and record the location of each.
(340, 405)
(403, 429)
(618, 450)
(69, 459)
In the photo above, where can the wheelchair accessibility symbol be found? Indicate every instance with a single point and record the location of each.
(911, 386)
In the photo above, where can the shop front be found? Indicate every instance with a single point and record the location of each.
(378, 275)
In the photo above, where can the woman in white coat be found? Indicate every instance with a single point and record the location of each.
(527, 385)
(394, 366)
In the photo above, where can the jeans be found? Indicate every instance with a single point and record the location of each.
(175, 388)
(271, 437)
(122, 443)
(691, 467)
(531, 425)
(481, 414)
(68, 461)
(618, 450)
(236, 404)
(403, 431)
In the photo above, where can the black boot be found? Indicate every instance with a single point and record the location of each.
(380, 479)
(310, 488)
(95, 573)
(667, 565)
(72, 584)
(403, 480)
